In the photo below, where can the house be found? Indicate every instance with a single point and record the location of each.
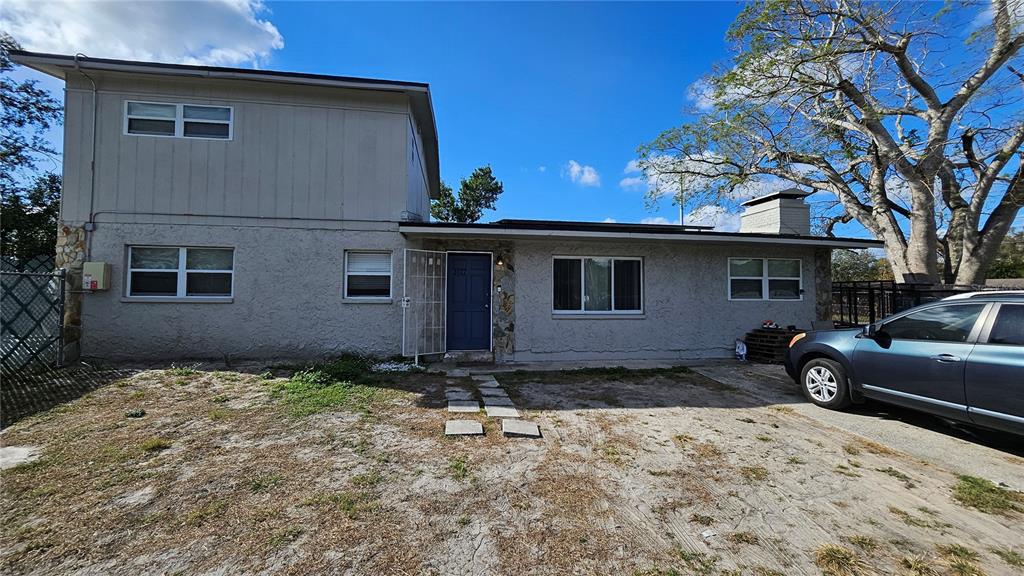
(219, 212)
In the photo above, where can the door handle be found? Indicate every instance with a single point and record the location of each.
(946, 358)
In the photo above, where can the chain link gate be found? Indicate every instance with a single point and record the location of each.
(423, 303)
(31, 321)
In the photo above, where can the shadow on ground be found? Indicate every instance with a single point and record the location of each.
(22, 396)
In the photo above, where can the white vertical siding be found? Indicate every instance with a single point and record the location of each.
(306, 156)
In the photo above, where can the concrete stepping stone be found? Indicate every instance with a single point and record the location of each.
(482, 377)
(485, 392)
(459, 395)
(483, 385)
(463, 428)
(497, 401)
(457, 373)
(510, 427)
(502, 412)
(463, 406)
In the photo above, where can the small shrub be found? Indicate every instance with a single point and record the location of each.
(985, 496)
(348, 368)
(155, 444)
(135, 413)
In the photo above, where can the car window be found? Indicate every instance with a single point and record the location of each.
(1009, 326)
(942, 324)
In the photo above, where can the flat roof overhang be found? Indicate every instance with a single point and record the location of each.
(539, 230)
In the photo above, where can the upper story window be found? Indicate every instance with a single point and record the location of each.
(765, 279)
(597, 285)
(180, 120)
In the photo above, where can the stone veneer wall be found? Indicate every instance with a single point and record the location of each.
(71, 248)
(503, 303)
(823, 284)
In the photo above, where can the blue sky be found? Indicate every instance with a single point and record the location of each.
(527, 88)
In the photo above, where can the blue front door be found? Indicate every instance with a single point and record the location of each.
(469, 301)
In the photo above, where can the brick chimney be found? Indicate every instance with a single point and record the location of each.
(781, 212)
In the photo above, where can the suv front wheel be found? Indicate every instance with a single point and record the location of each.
(824, 383)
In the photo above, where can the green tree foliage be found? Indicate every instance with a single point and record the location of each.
(477, 193)
(30, 200)
(28, 221)
(1009, 261)
(907, 117)
(852, 265)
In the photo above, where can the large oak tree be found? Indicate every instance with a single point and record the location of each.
(906, 116)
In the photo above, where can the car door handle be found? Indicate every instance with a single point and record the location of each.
(946, 358)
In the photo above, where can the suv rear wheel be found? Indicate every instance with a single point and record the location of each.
(824, 383)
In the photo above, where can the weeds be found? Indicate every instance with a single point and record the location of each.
(458, 467)
(897, 475)
(189, 370)
(918, 566)
(865, 543)
(284, 536)
(155, 444)
(985, 496)
(795, 460)
(1010, 556)
(135, 413)
(701, 519)
(337, 385)
(743, 538)
(835, 560)
(754, 473)
(265, 483)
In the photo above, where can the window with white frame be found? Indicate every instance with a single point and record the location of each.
(595, 285)
(174, 272)
(367, 274)
(765, 279)
(181, 120)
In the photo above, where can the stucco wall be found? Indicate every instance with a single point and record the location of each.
(687, 311)
(287, 298)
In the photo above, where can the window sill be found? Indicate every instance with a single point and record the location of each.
(367, 300)
(173, 300)
(639, 316)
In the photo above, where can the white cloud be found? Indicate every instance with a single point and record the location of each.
(632, 166)
(216, 32)
(717, 216)
(659, 220)
(701, 94)
(609, 220)
(632, 182)
(542, 169)
(581, 174)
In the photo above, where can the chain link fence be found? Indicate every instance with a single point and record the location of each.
(31, 316)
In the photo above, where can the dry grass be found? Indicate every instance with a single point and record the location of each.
(835, 560)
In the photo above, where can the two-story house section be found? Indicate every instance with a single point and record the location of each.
(228, 213)
(241, 212)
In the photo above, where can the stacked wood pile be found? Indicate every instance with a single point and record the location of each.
(768, 345)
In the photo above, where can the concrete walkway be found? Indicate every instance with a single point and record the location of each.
(497, 404)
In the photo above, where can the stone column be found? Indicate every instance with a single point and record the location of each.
(823, 284)
(71, 244)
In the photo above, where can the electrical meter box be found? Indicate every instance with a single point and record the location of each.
(95, 276)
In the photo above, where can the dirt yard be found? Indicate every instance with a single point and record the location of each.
(664, 471)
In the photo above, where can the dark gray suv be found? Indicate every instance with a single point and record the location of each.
(960, 358)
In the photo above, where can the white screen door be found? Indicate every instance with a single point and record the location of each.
(423, 302)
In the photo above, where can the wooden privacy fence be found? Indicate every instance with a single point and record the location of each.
(865, 302)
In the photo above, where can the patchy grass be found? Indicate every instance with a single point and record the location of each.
(795, 460)
(987, 497)
(188, 370)
(1010, 556)
(754, 473)
(155, 444)
(284, 536)
(835, 560)
(264, 483)
(742, 538)
(960, 559)
(865, 543)
(312, 391)
(907, 481)
(701, 519)
(918, 566)
(458, 468)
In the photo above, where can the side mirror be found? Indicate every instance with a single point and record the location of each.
(869, 331)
